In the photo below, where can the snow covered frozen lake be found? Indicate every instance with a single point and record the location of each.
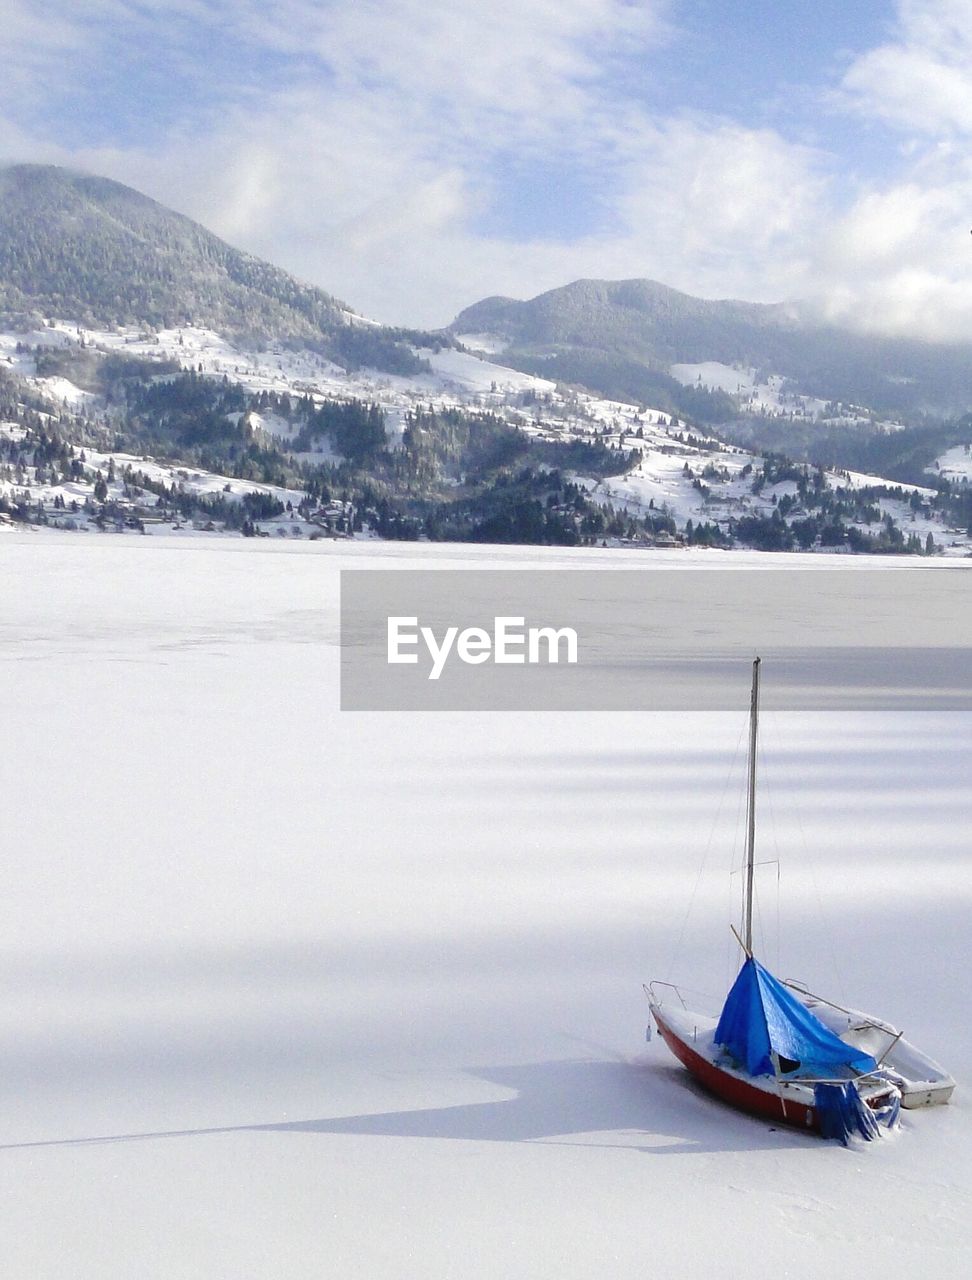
(290, 992)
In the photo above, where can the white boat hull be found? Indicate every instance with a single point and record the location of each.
(920, 1079)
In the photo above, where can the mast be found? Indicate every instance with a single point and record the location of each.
(751, 814)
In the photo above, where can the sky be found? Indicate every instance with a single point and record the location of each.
(415, 156)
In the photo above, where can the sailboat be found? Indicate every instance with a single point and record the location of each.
(780, 1052)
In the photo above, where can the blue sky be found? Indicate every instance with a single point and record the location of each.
(413, 156)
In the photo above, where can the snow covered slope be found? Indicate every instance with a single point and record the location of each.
(955, 464)
(771, 396)
(301, 993)
(666, 467)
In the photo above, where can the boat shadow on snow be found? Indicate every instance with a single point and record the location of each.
(638, 1106)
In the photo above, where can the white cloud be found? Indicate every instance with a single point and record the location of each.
(49, 52)
(522, 61)
(23, 28)
(899, 260)
(899, 224)
(31, 43)
(714, 206)
(921, 80)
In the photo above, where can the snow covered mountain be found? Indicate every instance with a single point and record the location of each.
(98, 253)
(200, 389)
(640, 338)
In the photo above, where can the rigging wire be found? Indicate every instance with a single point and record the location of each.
(705, 855)
(767, 791)
(823, 919)
(736, 867)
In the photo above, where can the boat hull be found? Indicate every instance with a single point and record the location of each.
(758, 1100)
(919, 1078)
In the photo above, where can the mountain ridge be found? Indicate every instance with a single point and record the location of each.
(591, 307)
(94, 251)
(99, 253)
(621, 338)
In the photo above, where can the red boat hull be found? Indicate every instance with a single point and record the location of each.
(747, 1097)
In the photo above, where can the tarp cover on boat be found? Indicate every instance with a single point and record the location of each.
(762, 1017)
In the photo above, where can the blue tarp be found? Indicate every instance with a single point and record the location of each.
(843, 1114)
(762, 1017)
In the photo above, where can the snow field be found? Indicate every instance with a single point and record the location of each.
(770, 396)
(294, 992)
(955, 464)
